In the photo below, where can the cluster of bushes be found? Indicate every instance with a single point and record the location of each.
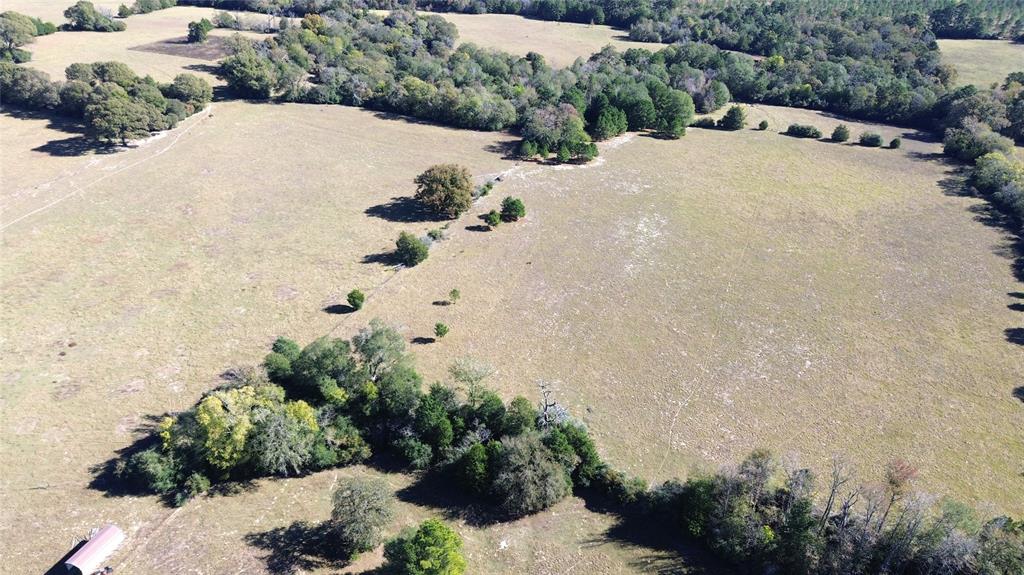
(112, 101)
(362, 508)
(16, 30)
(406, 63)
(762, 517)
(83, 16)
(512, 209)
(999, 176)
(334, 401)
(144, 7)
(980, 128)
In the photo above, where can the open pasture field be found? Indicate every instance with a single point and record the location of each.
(694, 299)
(559, 42)
(983, 62)
(689, 300)
(134, 46)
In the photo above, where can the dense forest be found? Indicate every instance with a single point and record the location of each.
(945, 18)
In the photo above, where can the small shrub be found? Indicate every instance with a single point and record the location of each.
(483, 190)
(895, 143)
(803, 131)
(841, 133)
(356, 298)
(432, 549)
(410, 250)
(763, 125)
(512, 209)
(563, 155)
(454, 295)
(440, 330)
(734, 119)
(199, 31)
(707, 123)
(493, 218)
(871, 140)
(528, 149)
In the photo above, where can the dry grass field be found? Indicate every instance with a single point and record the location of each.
(53, 10)
(983, 62)
(689, 300)
(559, 42)
(134, 46)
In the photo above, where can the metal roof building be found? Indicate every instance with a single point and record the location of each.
(89, 559)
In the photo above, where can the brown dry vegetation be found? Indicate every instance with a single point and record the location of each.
(53, 10)
(688, 299)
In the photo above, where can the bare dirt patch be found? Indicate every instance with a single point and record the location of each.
(215, 48)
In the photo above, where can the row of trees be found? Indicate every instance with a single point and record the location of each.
(981, 126)
(144, 7)
(406, 63)
(334, 402)
(114, 103)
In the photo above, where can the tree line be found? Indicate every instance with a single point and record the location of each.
(336, 402)
(114, 103)
(406, 63)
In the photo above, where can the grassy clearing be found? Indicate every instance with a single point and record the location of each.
(53, 53)
(689, 300)
(559, 42)
(983, 62)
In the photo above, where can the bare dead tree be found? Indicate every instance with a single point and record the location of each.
(840, 476)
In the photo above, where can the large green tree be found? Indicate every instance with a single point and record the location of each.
(446, 189)
(527, 479)
(362, 509)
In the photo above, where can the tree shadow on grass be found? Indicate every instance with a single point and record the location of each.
(1019, 393)
(423, 340)
(339, 309)
(405, 210)
(478, 228)
(299, 547)
(105, 474)
(508, 150)
(388, 258)
(1011, 242)
(58, 567)
(77, 145)
(662, 549)
(436, 490)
